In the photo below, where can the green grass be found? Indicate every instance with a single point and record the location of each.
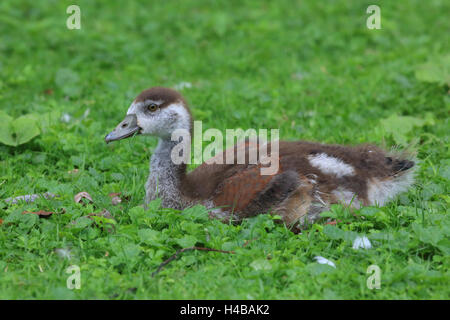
(310, 68)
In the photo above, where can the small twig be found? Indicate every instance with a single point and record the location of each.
(246, 243)
(173, 257)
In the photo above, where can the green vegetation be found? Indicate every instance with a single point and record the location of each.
(310, 68)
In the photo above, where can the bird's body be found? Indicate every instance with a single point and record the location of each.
(310, 176)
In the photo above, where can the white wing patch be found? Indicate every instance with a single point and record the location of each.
(331, 165)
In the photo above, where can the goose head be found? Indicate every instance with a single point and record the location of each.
(156, 112)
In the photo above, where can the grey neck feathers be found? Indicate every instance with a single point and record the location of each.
(165, 177)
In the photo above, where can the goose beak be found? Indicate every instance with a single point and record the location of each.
(127, 128)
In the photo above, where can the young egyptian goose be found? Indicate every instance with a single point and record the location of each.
(310, 176)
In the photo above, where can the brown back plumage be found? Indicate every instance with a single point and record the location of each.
(241, 187)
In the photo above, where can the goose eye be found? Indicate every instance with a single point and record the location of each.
(152, 107)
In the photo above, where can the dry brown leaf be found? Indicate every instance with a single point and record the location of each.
(40, 213)
(116, 198)
(105, 214)
(1, 222)
(82, 195)
(333, 222)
